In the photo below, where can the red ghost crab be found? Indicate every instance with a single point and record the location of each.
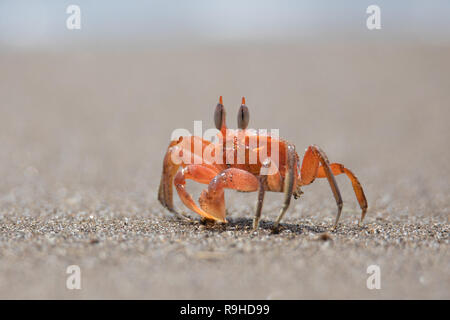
(267, 163)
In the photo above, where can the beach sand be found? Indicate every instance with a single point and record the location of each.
(83, 135)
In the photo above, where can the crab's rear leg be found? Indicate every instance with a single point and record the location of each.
(314, 157)
(337, 169)
(212, 200)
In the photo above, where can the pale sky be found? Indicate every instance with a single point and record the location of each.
(42, 23)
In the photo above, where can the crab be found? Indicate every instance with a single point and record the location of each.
(207, 162)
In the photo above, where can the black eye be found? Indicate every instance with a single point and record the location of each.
(243, 116)
(219, 113)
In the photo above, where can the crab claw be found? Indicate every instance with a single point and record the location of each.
(213, 205)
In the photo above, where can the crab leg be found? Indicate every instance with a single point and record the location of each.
(212, 200)
(259, 204)
(270, 182)
(199, 173)
(288, 183)
(170, 168)
(337, 169)
(180, 152)
(309, 171)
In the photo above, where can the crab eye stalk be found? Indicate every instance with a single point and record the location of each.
(243, 116)
(219, 115)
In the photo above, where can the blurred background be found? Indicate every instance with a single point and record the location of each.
(40, 24)
(86, 116)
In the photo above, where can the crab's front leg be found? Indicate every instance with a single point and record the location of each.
(180, 152)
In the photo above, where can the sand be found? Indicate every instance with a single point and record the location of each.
(83, 135)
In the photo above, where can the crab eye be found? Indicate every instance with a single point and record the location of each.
(219, 114)
(243, 116)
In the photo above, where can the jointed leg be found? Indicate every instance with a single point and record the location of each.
(261, 193)
(288, 183)
(271, 182)
(180, 152)
(309, 170)
(337, 169)
(170, 168)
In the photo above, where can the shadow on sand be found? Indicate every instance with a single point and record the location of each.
(245, 224)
